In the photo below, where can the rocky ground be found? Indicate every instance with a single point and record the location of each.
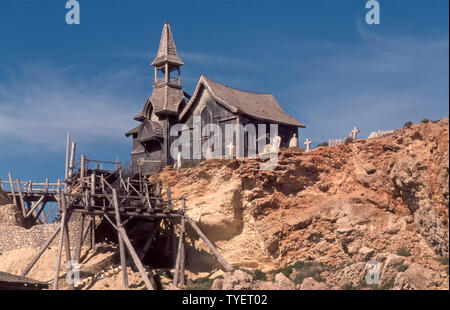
(312, 223)
(382, 199)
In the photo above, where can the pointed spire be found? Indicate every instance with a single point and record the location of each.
(167, 51)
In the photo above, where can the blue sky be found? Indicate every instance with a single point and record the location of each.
(323, 63)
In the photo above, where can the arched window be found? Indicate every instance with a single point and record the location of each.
(148, 110)
(206, 116)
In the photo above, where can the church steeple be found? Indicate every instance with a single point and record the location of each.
(167, 63)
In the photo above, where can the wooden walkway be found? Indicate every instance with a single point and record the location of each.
(32, 198)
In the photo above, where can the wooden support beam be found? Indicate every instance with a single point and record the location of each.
(41, 211)
(93, 233)
(66, 171)
(60, 246)
(178, 275)
(123, 258)
(148, 243)
(131, 250)
(93, 189)
(83, 163)
(69, 267)
(183, 249)
(11, 184)
(72, 158)
(41, 251)
(135, 258)
(35, 205)
(22, 201)
(213, 249)
(110, 221)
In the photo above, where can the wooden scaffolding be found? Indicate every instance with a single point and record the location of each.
(92, 191)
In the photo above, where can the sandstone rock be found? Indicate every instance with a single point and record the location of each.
(311, 284)
(390, 268)
(284, 283)
(415, 277)
(239, 280)
(366, 253)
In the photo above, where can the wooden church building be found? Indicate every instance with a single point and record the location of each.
(215, 103)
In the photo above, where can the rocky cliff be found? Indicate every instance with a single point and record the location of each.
(382, 199)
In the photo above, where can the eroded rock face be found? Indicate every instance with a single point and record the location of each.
(239, 280)
(10, 216)
(338, 205)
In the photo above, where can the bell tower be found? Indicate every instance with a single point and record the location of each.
(167, 63)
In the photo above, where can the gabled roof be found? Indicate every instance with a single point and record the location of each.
(256, 105)
(133, 131)
(167, 51)
(147, 130)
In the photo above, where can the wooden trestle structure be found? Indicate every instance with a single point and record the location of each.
(95, 192)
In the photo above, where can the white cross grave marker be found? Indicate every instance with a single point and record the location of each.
(230, 147)
(307, 142)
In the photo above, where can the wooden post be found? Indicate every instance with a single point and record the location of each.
(93, 190)
(177, 274)
(131, 250)
(67, 243)
(41, 251)
(148, 243)
(179, 267)
(60, 245)
(22, 201)
(42, 210)
(123, 259)
(11, 184)
(135, 258)
(183, 256)
(67, 156)
(213, 249)
(46, 186)
(35, 205)
(72, 158)
(82, 169)
(93, 233)
(64, 238)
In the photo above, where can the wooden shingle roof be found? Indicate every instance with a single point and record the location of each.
(167, 51)
(166, 99)
(147, 130)
(257, 105)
